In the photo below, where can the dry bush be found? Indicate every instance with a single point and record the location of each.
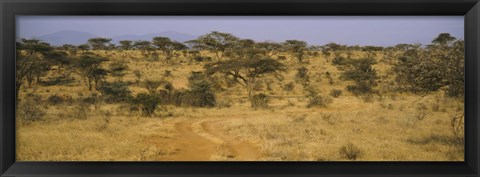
(289, 87)
(80, 111)
(30, 110)
(330, 118)
(422, 111)
(316, 100)
(457, 128)
(350, 152)
(335, 93)
(259, 101)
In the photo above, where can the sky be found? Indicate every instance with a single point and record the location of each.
(315, 30)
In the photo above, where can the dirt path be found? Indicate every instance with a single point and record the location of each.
(242, 150)
(198, 141)
(192, 146)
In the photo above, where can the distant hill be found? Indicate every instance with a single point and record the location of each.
(66, 37)
(79, 37)
(176, 36)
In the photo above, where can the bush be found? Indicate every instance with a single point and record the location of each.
(115, 91)
(289, 87)
(259, 101)
(302, 75)
(200, 93)
(147, 103)
(316, 100)
(335, 93)
(30, 110)
(80, 111)
(152, 85)
(55, 100)
(350, 151)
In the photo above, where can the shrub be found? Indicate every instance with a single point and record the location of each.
(201, 90)
(55, 100)
(114, 91)
(202, 59)
(316, 100)
(335, 93)
(302, 75)
(118, 68)
(350, 151)
(289, 87)
(152, 85)
(80, 111)
(364, 76)
(30, 110)
(138, 75)
(167, 73)
(259, 101)
(147, 103)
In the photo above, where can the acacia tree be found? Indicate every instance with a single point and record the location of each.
(443, 39)
(89, 68)
(269, 48)
(144, 46)
(125, 44)
(29, 52)
(216, 42)
(360, 71)
(99, 43)
(167, 46)
(246, 71)
(439, 66)
(297, 48)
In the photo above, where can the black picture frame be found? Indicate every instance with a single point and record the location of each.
(470, 9)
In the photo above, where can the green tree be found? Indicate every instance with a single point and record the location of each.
(29, 53)
(246, 71)
(126, 44)
(216, 42)
(297, 48)
(167, 46)
(99, 43)
(269, 49)
(360, 71)
(439, 66)
(145, 46)
(443, 39)
(89, 67)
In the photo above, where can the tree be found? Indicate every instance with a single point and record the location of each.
(84, 47)
(215, 42)
(439, 66)
(89, 68)
(335, 48)
(360, 71)
(269, 48)
(145, 46)
(246, 71)
(371, 50)
(126, 44)
(443, 39)
(99, 43)
(167, 46)
(28, 54)
(296, 47)
(118, 68)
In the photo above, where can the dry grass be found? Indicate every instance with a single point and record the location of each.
(387, 128)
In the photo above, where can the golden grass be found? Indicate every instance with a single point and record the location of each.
(386, 128)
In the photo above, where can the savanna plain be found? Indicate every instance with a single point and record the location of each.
(222, 98)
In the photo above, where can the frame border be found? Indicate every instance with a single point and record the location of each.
(470, 9)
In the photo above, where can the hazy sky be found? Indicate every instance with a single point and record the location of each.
(351, 30)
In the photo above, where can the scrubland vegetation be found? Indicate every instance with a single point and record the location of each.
(220, 97)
